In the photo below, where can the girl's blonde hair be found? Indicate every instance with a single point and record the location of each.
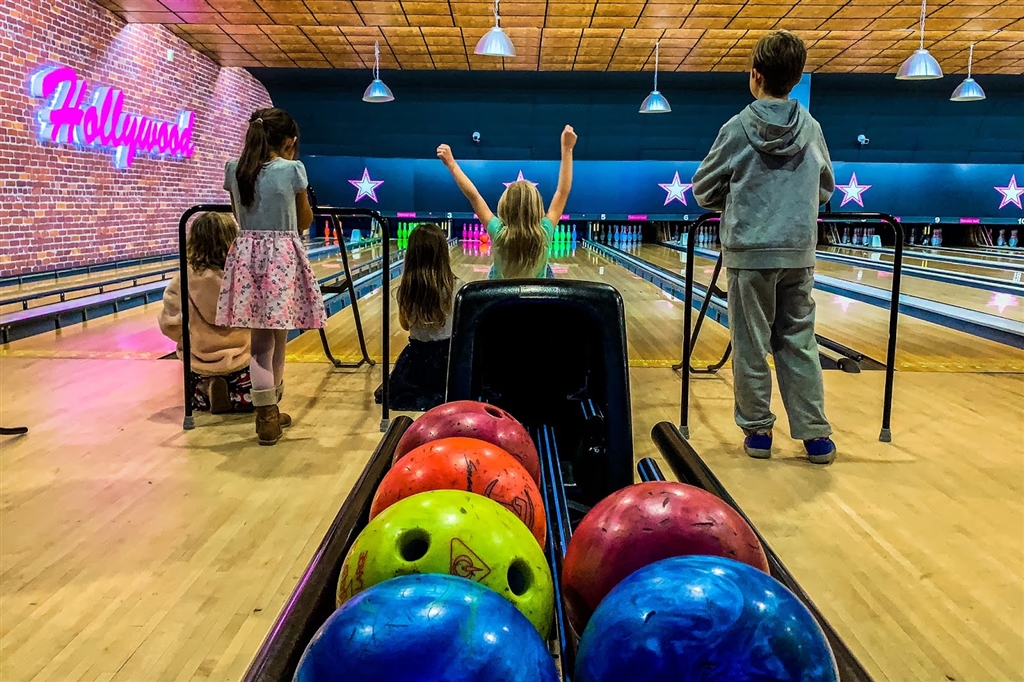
(523, 242)
(209, 241)
(428, 283)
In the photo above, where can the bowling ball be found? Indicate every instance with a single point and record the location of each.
(703, 618)
(644, 523)
(470, 419)
(455, 532)
(465, 464)
(427, 627)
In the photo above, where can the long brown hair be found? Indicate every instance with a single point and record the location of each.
(425, 293)
(269, 131)
(523, 242)
(209, 241)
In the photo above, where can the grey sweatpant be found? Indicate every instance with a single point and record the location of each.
(772, 312)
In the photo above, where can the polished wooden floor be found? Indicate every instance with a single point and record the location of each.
(131, 550)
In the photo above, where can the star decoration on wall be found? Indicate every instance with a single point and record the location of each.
(853, 191)
(1011, 193)
(520, 179)
(366, 187)
(676, 190)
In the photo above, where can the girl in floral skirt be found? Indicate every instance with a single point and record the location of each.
(269, 286)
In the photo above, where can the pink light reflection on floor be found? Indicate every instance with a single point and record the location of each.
(1002, 301)
(843, 302)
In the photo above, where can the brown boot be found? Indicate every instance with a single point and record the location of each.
(268, 425)
(286, 419)
(220, 398)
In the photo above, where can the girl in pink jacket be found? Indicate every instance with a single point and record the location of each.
(220, 355)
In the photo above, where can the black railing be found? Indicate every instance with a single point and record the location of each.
(331, 212)
(885, 435)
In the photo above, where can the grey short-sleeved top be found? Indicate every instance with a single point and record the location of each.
(276, 187)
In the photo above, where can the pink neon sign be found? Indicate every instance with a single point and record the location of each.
(67, 118)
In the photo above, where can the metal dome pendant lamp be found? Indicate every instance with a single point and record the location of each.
(376, 91)
(655, 103)
(969, 90)
(920, 66)
(495, 43)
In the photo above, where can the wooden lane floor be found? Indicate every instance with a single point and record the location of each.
(970, 298)
(133, 333)
(922, 346)
(1010, 272)
(913, 550)
(653, 319)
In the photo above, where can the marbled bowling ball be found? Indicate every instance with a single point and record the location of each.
(427, 627)
(700, 618)
(465, 464)
(458, 533)
(470, 419)
(644, 523)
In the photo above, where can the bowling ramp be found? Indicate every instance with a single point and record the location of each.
(576, 407)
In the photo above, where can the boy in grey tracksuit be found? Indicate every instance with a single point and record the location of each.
(769, 172)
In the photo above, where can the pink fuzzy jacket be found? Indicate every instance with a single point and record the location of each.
(215, 350)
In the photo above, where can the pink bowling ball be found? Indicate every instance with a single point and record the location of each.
(470, 419)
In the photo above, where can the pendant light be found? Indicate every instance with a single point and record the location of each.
(376, 91)
(495, 43)
(655, 103)
(969, 90)
(920, 66)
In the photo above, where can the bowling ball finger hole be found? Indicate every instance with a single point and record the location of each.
(520, 577)
(494, 412)
(413, 545)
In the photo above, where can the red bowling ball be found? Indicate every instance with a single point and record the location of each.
(465, 464)
(470, 419)
(645, 523)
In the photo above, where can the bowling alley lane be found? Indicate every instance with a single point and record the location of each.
(653, 318)
(923, 346)
(1007, 271)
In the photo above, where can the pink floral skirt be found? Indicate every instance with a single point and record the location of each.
(268, 284)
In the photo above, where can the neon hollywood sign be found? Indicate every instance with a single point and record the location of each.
(99, 122)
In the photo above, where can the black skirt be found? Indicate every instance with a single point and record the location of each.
(419, 377)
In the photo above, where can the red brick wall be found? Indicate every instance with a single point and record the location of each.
(60, 206)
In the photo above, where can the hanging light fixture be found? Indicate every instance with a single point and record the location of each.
(655, 103)
(969, 90)
(376, 91)
(920, 66)
(495, 43)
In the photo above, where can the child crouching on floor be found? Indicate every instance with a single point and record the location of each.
(220, 355)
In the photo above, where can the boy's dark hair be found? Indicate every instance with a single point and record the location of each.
(779, 57)
(269, 130)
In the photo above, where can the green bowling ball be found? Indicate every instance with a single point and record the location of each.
(459, 533)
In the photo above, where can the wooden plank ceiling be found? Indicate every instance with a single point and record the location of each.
(592, 35)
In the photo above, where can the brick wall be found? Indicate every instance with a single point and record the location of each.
(60, 206)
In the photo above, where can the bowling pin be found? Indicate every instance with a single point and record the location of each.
(1013, 239)
(1001, 239)
(574, 236)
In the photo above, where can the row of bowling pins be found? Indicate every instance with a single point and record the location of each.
(862, 236)
(705, 236)
(472, 232)
(1012, 242)
(617, 234)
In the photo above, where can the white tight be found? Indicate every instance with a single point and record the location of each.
(266, 369)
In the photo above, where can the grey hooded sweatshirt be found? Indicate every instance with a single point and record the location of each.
(768, 172)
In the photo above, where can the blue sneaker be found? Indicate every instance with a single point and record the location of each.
(820, 450)
(758, 445)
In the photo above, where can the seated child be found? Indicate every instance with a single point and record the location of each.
(220, 355)
(425, 301)
(521, 232)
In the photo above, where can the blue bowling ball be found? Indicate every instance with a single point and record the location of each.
(420, 628)
(703, 618)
